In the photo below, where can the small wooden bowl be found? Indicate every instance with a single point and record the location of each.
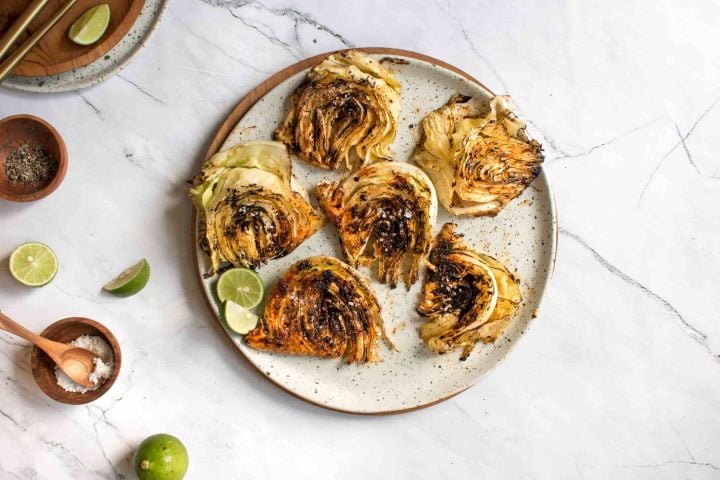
(66, 331)
(17, 129)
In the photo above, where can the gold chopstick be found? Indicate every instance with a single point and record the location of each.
(20, 25)
(15, 58)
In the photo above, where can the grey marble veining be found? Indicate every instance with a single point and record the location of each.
(618, 378)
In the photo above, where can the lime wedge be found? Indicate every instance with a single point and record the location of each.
(91, 25)
(239, 319)
(131, 281)
(241, 286)
(33, 264)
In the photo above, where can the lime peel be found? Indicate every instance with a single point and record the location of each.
(242, 286)
(91, 25)
(131, 281)
(33, 264)
(161, 457)
(239, 319)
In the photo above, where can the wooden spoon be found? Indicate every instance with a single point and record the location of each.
(77, 363)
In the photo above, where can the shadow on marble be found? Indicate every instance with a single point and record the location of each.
(9, 287)
(123, 463)
(20, 374)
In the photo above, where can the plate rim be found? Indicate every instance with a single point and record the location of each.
(228, 125)
(96, 77)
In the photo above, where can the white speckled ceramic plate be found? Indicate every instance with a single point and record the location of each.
(523, 236)
(106, 66)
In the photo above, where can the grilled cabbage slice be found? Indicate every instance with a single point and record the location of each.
(478, 163)
(250, 208)
(321, 307)
(385, 212)
(346, 112)
(467, 296)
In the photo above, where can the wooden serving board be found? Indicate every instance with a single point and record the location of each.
(56, 53)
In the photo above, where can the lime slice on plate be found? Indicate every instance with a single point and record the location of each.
(131, 281)
(91, 25)
(239, 319)
(33, 264)
(241, 286)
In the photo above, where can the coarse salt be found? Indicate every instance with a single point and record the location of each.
(104, 364)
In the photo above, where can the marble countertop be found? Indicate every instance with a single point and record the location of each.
(619, 377)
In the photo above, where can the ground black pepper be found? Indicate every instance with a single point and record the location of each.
(29, 164)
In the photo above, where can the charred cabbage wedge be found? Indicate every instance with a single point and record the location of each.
(468, 297)
(345, 112)
(384, 212)
(478, 163)
(321, 307)
(250, 209)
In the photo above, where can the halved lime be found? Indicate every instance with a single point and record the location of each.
(91, 25)
(241, 286)
(33, 264)
(131, 281)
(239, 319)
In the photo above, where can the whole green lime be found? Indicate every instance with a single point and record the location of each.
(161, 457)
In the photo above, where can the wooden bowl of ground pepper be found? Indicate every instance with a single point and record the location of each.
(33, 158)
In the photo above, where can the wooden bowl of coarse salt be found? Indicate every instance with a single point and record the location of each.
(33, 158)
(84, 333)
